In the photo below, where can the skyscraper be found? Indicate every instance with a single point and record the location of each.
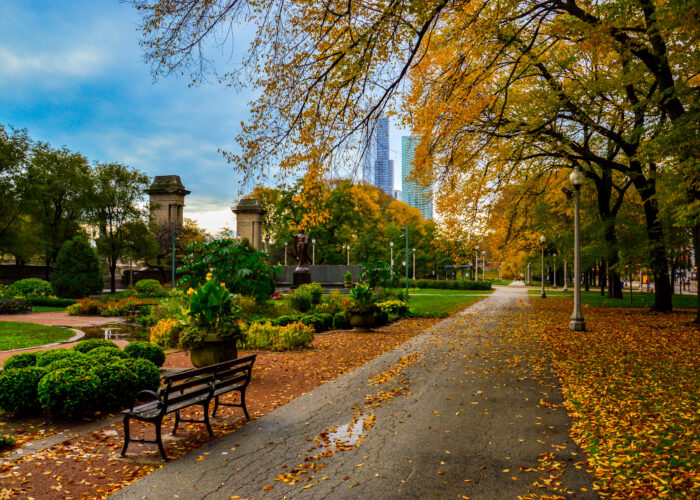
(377, 168)
(414, 194)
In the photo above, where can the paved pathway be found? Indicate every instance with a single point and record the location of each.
(453, 413)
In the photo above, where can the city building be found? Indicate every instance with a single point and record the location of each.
(397, 194)
(414, 194)
(377, 167)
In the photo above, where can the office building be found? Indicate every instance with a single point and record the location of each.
(414, 194)
(377, 168)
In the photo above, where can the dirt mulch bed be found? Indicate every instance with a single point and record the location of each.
(89, 467)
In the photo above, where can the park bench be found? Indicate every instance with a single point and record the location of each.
(195, 387)
(14, 306)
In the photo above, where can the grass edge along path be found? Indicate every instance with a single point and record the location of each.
(14, 335)
(438, 306)
(631, 384)
(640, 299)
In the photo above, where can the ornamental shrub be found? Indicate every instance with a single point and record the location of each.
(21, 360)
(320, 321)
(301, 299)
(117, 384)
(315, 289)
(45, 358)
(146, 350)
(86, 307)
(147, 374)
(166, 332)
(18, 389)
(79, 360)
(31, 286)
(76, 272)
(278, 338)
(88, 345)
(398, 307)
(101, 352)
(149, 288)
(340, 322)
(286, 319)
(69, 392)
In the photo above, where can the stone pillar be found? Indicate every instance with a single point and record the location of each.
(249, 217)
(167, 198)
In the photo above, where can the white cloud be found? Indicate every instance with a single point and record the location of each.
(75, 62)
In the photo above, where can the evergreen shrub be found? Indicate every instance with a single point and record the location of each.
(45, 358)
(146, 350)
(69, 392)
(31, 286)
(18, 389)
(88, 345)
(76, 272)
(301, 299)
(21, 360)
(147, 374)
(117, 384)
(340, 323)
(149, 288)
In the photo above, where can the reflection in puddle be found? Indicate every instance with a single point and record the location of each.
(117, 331)
(345, 437)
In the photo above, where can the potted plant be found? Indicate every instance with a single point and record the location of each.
(361, 307)
(213, 331)
(347, 279)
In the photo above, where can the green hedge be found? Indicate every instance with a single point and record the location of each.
(51, 301)
(450, 284)
(320, 321)
(146, 350)
(88, 345)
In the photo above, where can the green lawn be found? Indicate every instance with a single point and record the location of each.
(17, 335)
(439, 291)
(438, 306)
(639, 299)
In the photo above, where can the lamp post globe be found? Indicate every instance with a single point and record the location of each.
(286, 244)
(577, 322)
(347, 249)
(542, 241)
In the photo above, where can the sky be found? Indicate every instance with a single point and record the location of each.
(73, 74)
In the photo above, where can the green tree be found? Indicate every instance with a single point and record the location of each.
(77, 271)
(114, 208)
(15, 147)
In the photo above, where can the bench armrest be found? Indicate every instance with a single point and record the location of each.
(145, 392)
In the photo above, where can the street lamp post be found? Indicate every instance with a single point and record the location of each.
(476, 264)
(483, 265)
(285, 252)
(391, 258)
(529, 279)
(414, 263)
(347, 249)
(566, 288)
(555, 271)
(172, 269)
(577, 323)
(267, 246)
(542, 240)
(313, 252)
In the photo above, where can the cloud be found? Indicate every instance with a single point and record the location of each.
(78, 62)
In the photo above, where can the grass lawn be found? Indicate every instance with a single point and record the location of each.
(501, 282)
(438, 306)
(439, 291)
(639, 299)
(17, 335)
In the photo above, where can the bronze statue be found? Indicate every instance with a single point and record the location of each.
(301, 244)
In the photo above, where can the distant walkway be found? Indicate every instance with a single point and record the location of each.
(517, 283)
(60, 318)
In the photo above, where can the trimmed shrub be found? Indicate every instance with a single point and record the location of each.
(31, 286)
(286, 319)
(47, 357)
(51, 301)
(166, 333)
(147, 374)
(450, 284)
(149, 288)
(117, 384)
(76, 272)
(69, 392)
(106, 355)
(340, 322)
(278, 338)
(320, 321)
(21, 360)
(398, 307)
(78, 360)
(301, 299)
(315, 289)
(146, 350)
(18, 389)
(88, 345)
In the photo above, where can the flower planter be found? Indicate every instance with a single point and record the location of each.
(362, 321)
(214, 350)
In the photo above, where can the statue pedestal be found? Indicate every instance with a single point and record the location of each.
(302, 275)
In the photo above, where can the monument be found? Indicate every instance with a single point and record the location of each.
(167, 197)
(249, 218)
(302, 273)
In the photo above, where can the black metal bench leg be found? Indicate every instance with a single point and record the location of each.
(127, 437)
(245, 410)
(159, 441)
(216, 406)
(205, 409)
(177, 422)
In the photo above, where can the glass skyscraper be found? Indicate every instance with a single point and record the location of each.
(414, 194)
(377, 168)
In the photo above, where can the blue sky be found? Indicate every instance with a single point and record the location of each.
(72, 73)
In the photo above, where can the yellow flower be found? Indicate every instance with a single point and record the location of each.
(190, 291)
(222, 284)
(208, 276)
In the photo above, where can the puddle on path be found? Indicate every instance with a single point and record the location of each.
(345, 437)
(117, 331)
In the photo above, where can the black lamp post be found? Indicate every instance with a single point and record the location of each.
(577, 323)
(542, 240)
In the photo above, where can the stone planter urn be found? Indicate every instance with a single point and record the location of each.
(215, 349)
(362, 322)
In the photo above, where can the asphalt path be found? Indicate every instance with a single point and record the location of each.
(466, 410)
